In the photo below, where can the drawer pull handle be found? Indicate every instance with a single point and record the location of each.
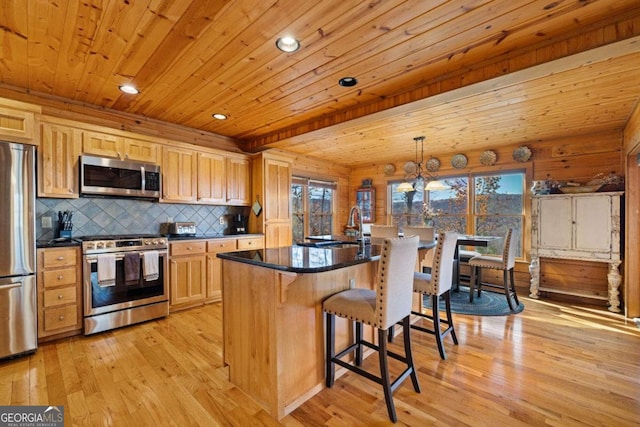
(60, 296)
(60, 258)
(61, 317)
(60, 277)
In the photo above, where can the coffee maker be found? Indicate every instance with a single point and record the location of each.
(239, 224)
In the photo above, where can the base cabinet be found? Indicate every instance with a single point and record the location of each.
(59, 293)
(196, 271)
(584, 227)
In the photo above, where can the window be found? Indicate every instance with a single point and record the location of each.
(495, 204)
(312, 202)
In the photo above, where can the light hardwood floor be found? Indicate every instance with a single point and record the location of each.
(553, 365)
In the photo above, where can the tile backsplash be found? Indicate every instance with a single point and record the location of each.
(96, 215)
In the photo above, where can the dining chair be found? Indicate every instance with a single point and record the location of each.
(506, 263)
(384, 230)
(381, 308)
(426, 234)
(438, 284)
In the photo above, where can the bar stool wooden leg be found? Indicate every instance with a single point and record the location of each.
(384, 374)
(331, 351)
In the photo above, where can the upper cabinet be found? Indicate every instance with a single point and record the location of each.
(58, 161)
(179, 168)
(212, 178)
(123, 148)
(238, 181)
(18, 121)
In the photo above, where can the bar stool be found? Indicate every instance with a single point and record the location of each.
(435, 285)
(381, 308)
(384, 230)
(426, 234)
(506, 263)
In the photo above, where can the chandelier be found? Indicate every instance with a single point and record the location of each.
(418, 185)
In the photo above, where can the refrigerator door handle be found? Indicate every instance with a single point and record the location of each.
(10, 286)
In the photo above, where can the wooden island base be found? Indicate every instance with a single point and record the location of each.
(273, 328)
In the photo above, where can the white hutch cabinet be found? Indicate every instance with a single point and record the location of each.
(582, 227)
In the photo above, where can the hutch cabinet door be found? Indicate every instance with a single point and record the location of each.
(556, 226)
(365, 199)
(592, 224)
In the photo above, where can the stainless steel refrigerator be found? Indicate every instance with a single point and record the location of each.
(18, 307)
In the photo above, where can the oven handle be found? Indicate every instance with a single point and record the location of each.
(120, 255)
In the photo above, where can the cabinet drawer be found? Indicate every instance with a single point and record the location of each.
(188, 248)
(59, 257)
(250, 243)
(63, 276)
(58, 318)
(55, 297)
(221, 245)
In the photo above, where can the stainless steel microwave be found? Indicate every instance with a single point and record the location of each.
(104, 176)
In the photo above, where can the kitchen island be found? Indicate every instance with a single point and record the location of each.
(273, 323)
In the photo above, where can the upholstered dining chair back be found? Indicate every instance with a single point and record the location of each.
(388, 231)
(426, 234)
(442, 269)
(394, 287)
(509, 250)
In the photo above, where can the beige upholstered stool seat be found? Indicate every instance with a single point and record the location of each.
(381, 308)
(488, 261)
(355, 304)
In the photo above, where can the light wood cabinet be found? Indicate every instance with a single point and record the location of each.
(59, 292)
(272, 188)
(196, 272)
(58, 161)
(583, 227)
(179, 168)
(214, 266)
(238, 182)
(212, 178)
(106, 145)
(187, 270)
(18, 121)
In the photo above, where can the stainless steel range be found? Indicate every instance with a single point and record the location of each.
(125, 280)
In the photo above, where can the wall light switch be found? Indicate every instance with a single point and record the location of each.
(46, 222)
(169, 219)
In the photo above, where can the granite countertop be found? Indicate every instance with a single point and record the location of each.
(300, 259)
(211, 236)
(58, 243)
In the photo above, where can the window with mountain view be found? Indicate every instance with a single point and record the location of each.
(495, 204)
(312, 204)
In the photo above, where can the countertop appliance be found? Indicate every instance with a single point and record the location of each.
(135, 290)
(239, 225)
(178, 228)
(104, 176)
(18, 306)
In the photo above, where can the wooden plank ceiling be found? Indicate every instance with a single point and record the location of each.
(461, 73)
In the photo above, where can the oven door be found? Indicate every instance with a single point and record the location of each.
(104, 299)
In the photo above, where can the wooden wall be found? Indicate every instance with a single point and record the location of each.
(575, 158)
(632, 215)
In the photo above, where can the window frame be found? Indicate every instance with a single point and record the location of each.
(306, 214)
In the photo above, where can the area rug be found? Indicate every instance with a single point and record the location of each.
(489, 304)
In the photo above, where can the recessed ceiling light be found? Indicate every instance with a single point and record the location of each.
(130, 89)
(287, 44)
(348, 81)
(219, 116)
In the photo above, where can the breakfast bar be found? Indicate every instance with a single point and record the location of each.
(273, 324)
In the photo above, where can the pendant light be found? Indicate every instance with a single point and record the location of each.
(433, 184)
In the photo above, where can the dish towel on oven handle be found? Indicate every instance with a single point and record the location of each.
(131, 268)
(106, 270)
(150, 268)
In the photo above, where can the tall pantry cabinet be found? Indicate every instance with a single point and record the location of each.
(583, 227)
(272, 199)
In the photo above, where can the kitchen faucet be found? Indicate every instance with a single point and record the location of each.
(355, 220)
